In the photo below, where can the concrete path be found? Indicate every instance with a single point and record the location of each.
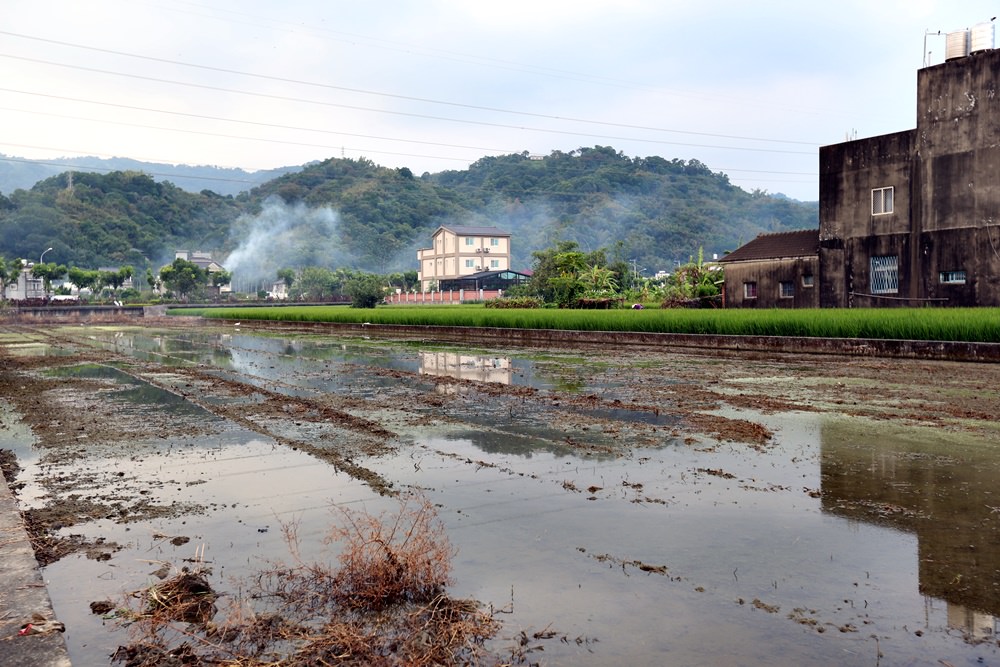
(24, 598)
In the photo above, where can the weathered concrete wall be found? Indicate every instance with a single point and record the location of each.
(958, 108)
(848, 174)
(617, 341)
(768, 275)
(70, 313)
(946, 209)
(23, 596)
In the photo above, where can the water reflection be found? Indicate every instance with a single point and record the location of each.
(940, 487)
(466, 366)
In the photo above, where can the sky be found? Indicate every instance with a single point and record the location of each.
(749, 89)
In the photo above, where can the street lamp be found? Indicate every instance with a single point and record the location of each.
(43, 255)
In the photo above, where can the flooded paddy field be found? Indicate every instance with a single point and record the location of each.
(632, 507)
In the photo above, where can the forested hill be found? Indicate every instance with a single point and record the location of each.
(21, 173)
(343, 212)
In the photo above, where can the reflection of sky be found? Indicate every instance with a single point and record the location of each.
(518, 526)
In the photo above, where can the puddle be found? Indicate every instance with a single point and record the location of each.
(846, 541)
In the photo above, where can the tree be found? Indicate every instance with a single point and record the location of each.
(115, 279)
(599, 279)
(287, 276)
(314, 283)
(84, 278)
(220, 278)
(365, 290)
(48, 272)
(695, 284)
(182, 277)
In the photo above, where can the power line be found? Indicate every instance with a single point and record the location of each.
(353, 107)
(226, 120)
(392, 95)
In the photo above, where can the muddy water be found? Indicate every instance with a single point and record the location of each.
(846, 541)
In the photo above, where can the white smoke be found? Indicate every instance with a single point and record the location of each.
(284, 236)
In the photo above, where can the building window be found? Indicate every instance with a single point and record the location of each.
(952, 277)
(882, 201)
(885, 274)
(807, 280)
(494, 242)
(787, 289)
(749, 290)
(470, 263)
(469, 241)
(494, 263)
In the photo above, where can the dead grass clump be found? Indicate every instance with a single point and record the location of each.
(386, 560)
(186, 597)
(382, 602)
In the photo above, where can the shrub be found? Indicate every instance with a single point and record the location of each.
(514, 302)
(366, 291)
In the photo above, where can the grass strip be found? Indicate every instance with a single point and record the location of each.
(938, 324)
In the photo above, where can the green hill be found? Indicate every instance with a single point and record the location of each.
(354, 213)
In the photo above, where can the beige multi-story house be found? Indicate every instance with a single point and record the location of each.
(457, 252)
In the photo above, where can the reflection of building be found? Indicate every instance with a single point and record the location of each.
(940, 489)
(457, 252)
(972, 624)
(466, 367)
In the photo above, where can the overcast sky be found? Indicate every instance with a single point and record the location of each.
(751, 89)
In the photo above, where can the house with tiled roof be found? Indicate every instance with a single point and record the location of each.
(776, 270)
(460, 251)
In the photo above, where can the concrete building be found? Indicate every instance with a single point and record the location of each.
(27, 287)
(457, 252)
(773, 271)
(913, 217)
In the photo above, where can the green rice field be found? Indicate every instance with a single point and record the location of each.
(938, 324)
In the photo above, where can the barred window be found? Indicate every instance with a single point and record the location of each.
(749, 290)
(952, 277)
(787, 289)
(885, 274)
(882, 201)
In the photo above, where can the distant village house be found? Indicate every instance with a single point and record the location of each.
(457, 253)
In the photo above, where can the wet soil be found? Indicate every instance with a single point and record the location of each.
(598, 437)
(73, 413)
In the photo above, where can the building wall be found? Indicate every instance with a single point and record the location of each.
(768, 275)
(451, 254)
(848, 174)
(946, 210)
(25, 287)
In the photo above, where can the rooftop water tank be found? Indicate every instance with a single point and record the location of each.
(982, 37)
(956, 44)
